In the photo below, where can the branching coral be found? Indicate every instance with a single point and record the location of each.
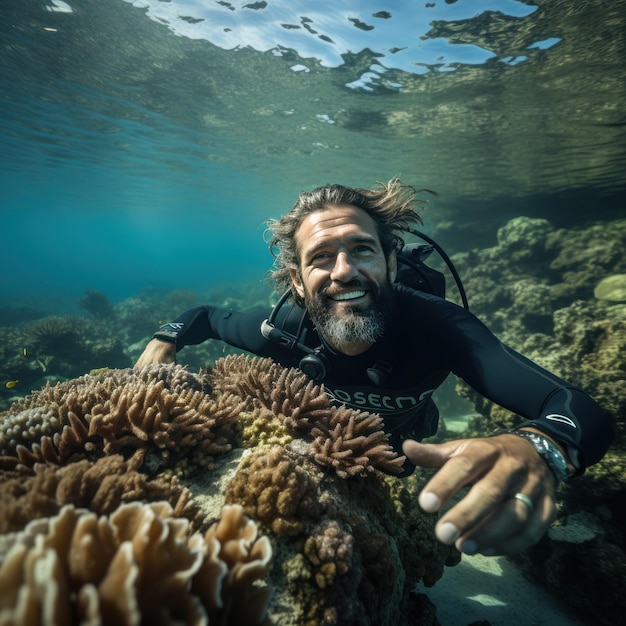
(285, 392)
(162, 408)
(56, 335)
(277, 489)
(137, 566)
(353, 444)
(100, 487)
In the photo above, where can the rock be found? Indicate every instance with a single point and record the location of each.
(611, 288)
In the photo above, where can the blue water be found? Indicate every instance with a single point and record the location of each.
(77, 229)
(144, 144)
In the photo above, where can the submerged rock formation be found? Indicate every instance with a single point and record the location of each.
(554, 295)
(212, 488)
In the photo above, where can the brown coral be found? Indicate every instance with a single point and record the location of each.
(277, 489)
(138, 566)
(353, 444)
(242, 559)
(286, 392)
(329, 549)
(99, 486)
(165, 416)
(348, 441)
(162, 408)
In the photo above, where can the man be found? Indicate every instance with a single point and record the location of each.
(379, 346)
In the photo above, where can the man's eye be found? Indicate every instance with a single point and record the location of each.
(320, 257)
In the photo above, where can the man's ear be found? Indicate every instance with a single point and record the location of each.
(297, 283)
(392, 265)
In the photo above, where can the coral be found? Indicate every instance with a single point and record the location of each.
(573, 324)
(260, 427)
(285, 402)
(56, 348)
(246, 433)
(138, 565)
(329, 549)
(612, 288)
(283, 391)
(97, 304)
(55, 335)
(354, 444)
(242, 558)
(277, 489)
(162, 409)
(99, 486)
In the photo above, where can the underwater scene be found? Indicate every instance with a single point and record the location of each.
(144, 145)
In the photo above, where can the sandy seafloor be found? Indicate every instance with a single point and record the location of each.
(493, 590)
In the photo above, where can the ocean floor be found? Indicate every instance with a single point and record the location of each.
(492, 590)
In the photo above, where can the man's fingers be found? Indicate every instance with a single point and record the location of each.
(425, 454)
(511, 527)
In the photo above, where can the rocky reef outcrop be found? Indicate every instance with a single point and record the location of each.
(557, 296)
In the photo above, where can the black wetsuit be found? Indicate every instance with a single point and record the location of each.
(426, 337)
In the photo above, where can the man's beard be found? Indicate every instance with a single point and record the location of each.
(353, 325)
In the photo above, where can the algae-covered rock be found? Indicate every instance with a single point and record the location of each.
(558, 301)
(611, 288)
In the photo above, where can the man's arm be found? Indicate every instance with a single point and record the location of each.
(192, 327)
(241, 330)
(511, 498)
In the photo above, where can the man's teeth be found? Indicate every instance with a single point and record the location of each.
(351, 295)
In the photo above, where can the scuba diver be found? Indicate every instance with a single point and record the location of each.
(364, 315)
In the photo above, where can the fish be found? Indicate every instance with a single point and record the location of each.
(24, 351)
(11, 383)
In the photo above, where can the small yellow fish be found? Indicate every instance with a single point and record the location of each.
(11, 383)
(25, 352)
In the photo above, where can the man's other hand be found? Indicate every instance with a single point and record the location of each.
(157, 351)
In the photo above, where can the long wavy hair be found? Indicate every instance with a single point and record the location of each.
(393, 206)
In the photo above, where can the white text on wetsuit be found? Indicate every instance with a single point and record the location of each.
(379, 401)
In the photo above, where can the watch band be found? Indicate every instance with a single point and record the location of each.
(553, 457)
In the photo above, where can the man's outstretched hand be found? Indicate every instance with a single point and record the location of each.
(491, 518)
(157, 351)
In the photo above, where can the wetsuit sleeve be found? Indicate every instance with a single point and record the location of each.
(241, 330)
(549, 403)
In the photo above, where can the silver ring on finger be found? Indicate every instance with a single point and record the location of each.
(522, 497)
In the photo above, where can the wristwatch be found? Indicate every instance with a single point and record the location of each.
(553, 457)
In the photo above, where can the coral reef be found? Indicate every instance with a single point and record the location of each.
(276, 488)
(352, 443)
(138, 565)
(247, 441)
(99, 486)
(553, 295)
(156, 412)
(53, 349)
(97, 304)
(38, 347)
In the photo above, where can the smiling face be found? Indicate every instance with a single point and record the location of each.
(344, 277)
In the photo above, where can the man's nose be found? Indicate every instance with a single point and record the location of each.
(344, 269)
